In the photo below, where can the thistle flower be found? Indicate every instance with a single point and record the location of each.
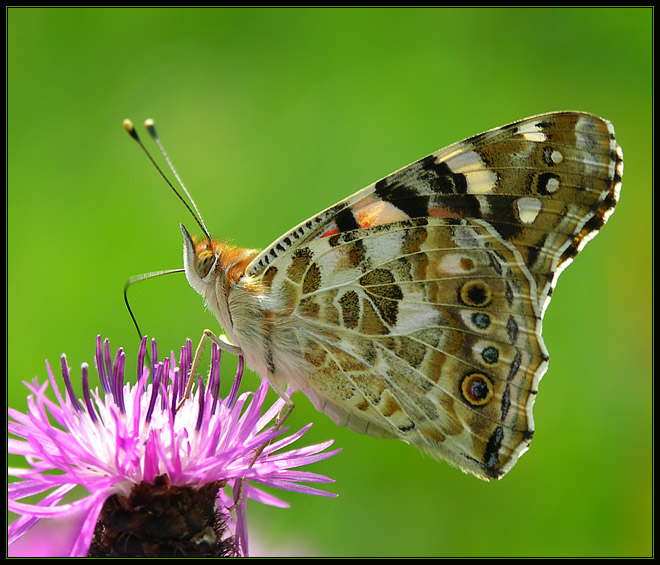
(160, 481)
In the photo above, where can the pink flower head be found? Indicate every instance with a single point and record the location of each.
(159, 481)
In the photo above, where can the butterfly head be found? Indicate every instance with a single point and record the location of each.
(213, 268)
(200, 261)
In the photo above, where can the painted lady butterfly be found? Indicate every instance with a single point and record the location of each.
(413, 308)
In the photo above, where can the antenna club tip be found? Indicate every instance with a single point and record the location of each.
(151, 128)
(130, 128)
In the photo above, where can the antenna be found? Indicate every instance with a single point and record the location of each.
(151, 128)
(138, 278)
(149, 124)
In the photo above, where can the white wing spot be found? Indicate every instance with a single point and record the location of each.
(480, 179)
(531, 132)
(552, 185)
(528, 209)
(585, 140)
(464, 161)
(556, 157)
(481, 182)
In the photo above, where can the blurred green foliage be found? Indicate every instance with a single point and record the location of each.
(273, 114)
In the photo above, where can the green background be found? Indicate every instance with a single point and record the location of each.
(271, 115)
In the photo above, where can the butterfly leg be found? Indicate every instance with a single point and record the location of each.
(222, 342)
(287, 408)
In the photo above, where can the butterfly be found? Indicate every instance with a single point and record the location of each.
(413, 308)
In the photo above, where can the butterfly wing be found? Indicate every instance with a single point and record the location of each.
(547, 184)
(417, 302)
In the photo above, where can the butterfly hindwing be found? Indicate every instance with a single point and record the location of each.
(424, 330)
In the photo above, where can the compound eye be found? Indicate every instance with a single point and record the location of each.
(203, 262)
